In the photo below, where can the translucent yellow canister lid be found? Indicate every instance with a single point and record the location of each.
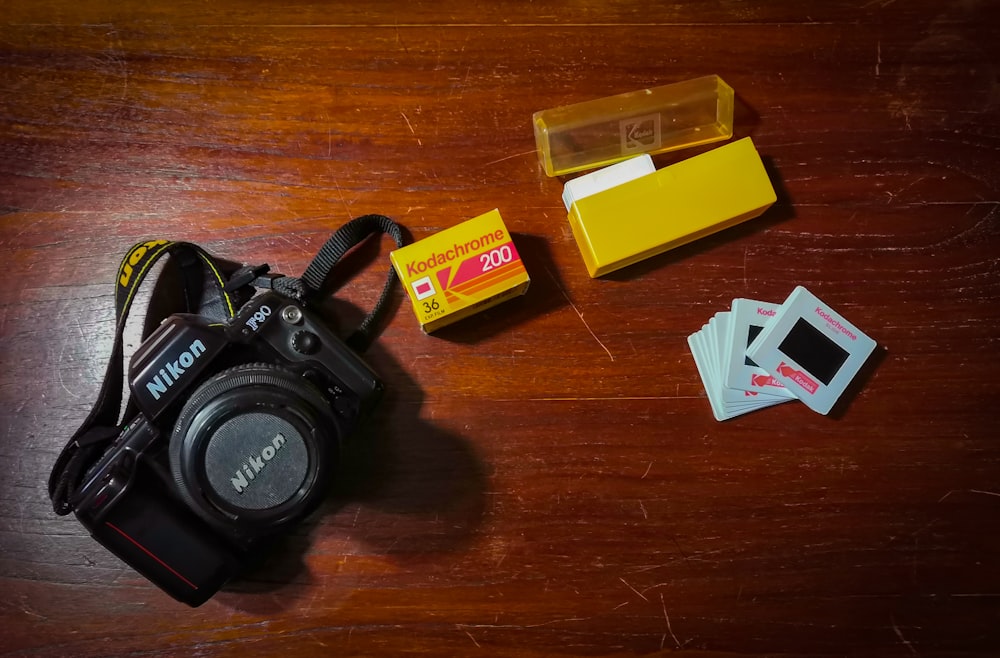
(606, 130)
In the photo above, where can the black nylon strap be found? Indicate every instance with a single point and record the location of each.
(340, 243)
(203, 279)
(356, 231)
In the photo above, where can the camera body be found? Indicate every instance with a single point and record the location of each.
(238, 432)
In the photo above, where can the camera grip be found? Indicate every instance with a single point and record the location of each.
(163, 541)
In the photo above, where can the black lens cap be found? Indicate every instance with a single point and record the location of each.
(256, 460)
(254, 448)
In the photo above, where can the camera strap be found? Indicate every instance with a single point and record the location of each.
(309, 285)
(214, 288)
(203, 278)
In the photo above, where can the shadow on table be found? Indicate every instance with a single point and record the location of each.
(545, 294)
(859, 382)
(419, 490)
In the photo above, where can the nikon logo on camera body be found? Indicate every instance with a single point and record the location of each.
(256, 463)
(173, 370)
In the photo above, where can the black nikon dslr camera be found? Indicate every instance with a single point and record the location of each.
(238, 432)
(236, 436)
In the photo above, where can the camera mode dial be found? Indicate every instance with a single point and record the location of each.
(306, 342)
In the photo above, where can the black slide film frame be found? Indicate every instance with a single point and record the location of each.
(807, 346)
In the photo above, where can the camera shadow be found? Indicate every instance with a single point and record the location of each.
(405, 491)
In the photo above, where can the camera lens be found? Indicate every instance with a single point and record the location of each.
(253, 447)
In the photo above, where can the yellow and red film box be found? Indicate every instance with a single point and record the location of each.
(460, 271)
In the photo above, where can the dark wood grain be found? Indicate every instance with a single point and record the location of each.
(545, 478)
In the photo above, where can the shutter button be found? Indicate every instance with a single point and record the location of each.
(305, 342)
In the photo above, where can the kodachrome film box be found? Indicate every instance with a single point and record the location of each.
(461, 271)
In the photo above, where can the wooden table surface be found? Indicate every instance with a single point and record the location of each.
(545, 478)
